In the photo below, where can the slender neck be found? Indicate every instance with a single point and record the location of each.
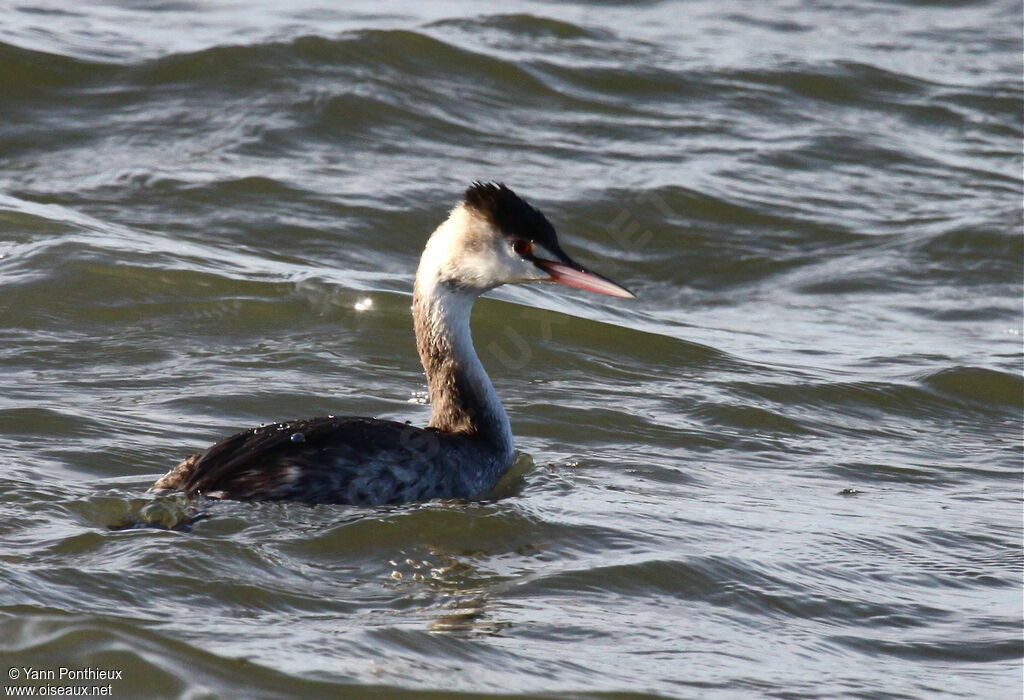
(461, 394)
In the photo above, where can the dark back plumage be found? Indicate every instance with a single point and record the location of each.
(362, 461)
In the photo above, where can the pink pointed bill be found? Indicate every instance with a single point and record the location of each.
(583, 279)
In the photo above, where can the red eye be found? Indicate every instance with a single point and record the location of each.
(522, 246)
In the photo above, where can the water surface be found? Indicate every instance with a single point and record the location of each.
(792, 468)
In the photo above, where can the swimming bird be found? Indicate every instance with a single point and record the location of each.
(492, 237)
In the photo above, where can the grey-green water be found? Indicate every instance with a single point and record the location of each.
(791, 469)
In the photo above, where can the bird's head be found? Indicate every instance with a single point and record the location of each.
(494, 237)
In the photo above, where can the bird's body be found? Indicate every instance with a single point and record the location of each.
(491, 238)
(361, 461)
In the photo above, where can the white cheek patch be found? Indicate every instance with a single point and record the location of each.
(514, 267)
(467, 249)
(532, 273)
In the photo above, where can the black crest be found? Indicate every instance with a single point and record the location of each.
(511, 214)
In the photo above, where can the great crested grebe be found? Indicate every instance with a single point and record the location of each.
(491, 238)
